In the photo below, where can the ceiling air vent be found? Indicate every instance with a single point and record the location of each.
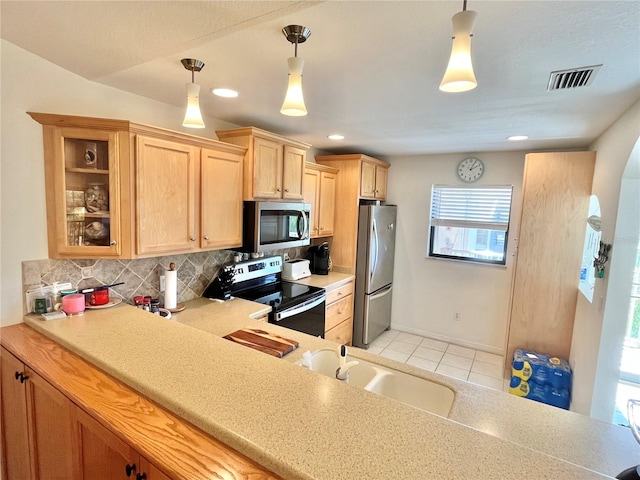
(572, 78)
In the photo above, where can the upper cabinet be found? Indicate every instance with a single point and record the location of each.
(359, 177)
(273, 165)
(373, 178)
(117, 189)
(320, 192)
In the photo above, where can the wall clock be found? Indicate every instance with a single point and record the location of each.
(470, 169)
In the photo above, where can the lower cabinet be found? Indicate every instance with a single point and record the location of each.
(103, 456)
(338, 324)
(37, 425)
(45, 436)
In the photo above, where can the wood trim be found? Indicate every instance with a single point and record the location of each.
(257, 132)
(177, 448)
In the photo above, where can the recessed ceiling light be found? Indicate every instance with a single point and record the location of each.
(515, 138)
(335, 136)
(224, 92)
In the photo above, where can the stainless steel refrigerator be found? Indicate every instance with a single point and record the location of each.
(374, 272)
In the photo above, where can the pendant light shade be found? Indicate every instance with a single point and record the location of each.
(293, 104)
(459, 76)
(294, 100)
(193, 117)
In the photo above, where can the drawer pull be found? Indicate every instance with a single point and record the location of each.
(129, 469)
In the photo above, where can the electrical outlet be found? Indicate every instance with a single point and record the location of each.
(199, 269)
(86, 272)
(162, 286)
(456, 317)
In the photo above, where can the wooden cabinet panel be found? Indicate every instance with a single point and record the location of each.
(267, 179)
(221, 199)
(556, 192)
(15, 438)
(337, 312)
(368, 180)
(50, 429)
(327, 203)
(151, 471)
(293, 172)
(101, 455)
(166, 196)
(381, 182)
(311, 196)
(339, 293)
(341, 333)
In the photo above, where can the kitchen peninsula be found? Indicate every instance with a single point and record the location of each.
(302, 425)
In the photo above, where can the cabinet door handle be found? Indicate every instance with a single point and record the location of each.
(113, 242)
(286, 190)
(129, 469)
(193, 239)
(141, 476)
(22, 377)
(278, 190)
(206, 237)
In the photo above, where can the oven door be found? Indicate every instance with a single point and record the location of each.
(306, 317)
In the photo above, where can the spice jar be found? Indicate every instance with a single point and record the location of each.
(155, 306)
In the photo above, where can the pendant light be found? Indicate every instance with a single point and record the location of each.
(193, 117)
(293, 104)
(459, 76)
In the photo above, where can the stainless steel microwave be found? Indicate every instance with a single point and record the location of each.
(274, 225)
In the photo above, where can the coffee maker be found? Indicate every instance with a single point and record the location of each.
(319, 257)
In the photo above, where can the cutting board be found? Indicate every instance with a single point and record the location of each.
(264, 341)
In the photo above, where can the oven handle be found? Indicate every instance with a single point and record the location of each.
(303, 307)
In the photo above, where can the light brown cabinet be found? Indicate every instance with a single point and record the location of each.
(320, 193)
(100, 455)
(273, 165)
(46, 435)
(162, 190)
(359, 177)
(373, 179)
(556, 192)
(339, 314)
(37, 425)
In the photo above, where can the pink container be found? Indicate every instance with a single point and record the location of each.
(73, 304)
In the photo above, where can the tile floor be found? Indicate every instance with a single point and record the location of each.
(448, 359)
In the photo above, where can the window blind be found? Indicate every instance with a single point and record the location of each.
(471, 207)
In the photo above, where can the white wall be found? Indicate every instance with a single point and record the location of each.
(428, 291)
(30, 83)
(597, 328)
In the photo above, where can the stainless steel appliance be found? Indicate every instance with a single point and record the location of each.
(374, 272)
(275, 225)
(293, 305)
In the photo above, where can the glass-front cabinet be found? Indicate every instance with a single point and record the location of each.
(83, 192)
(89, 168)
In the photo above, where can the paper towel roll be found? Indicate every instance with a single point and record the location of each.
(170, 289)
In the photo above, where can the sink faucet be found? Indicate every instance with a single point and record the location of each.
(342, 372)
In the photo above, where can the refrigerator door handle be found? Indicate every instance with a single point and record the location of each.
(382, 292)
(374, 262)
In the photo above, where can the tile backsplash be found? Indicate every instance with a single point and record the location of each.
(140, 276)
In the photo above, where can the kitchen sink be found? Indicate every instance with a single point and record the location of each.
(403, 387)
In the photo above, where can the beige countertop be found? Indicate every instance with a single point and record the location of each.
(330, 282)
(303, 425)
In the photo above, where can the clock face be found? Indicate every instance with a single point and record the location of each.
(470, 169)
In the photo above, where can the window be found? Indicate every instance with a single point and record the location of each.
(470, 223)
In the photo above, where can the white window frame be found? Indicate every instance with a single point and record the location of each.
(474, 208)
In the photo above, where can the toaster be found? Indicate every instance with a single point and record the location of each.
(295, 269)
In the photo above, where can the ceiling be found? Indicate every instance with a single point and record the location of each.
(372, 68)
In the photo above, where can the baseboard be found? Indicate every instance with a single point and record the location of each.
(444, 338)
